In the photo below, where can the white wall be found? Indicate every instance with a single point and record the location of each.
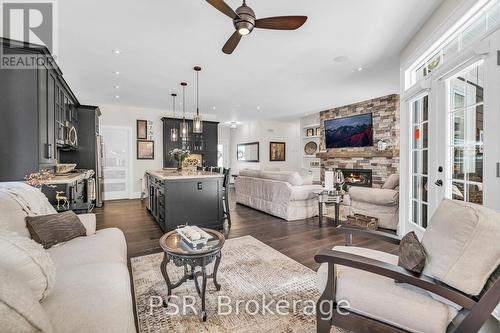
(116, 115)
(265, 132)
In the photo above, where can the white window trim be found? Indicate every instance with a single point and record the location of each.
(447, 31)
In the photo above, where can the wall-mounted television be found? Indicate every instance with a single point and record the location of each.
(355, 131)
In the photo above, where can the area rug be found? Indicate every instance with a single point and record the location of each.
(262, 291)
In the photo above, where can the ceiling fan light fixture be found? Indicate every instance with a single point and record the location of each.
(244, 31)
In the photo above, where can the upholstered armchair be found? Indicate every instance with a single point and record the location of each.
(456, 292)
(382, 203)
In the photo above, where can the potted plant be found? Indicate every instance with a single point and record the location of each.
(179, 155)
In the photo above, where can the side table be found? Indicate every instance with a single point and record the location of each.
(181, 254)
(325, 198)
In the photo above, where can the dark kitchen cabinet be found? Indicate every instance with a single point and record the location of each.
(30, 105)
(204, 144)
(46, 117)
(170, 201)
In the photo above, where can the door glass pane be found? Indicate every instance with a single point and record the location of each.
(425, 135)
(466, 138)
(458, 127)
(415, 211)
(458, 191)
(424, 215)
(475, 193)
(419, 155)
(458, 163)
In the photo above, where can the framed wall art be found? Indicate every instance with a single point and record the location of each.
(277, 151)
(145, 150)
(142, 129)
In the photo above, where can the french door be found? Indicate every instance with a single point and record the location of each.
(454, 137)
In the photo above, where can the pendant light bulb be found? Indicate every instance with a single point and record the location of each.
(197, 120)
(184, 129)
(174, 132)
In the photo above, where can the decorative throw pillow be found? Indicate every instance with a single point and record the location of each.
(392, 182)
(411, 253)
(28, 261)
(462, 247)
(49, 230)
(20, 311)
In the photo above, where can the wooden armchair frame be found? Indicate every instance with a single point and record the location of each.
(480, 309)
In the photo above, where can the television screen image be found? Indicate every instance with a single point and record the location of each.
(355, 131)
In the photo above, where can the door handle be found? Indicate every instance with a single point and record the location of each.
(439, 182)
(49, 150)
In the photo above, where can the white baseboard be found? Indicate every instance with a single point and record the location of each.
(135, 195)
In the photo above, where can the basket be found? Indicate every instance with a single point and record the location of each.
(362, 221)
(64, 168)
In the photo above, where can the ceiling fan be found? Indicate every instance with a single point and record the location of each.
(244, 21)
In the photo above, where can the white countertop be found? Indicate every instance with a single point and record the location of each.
(174, 174)
(65, 179)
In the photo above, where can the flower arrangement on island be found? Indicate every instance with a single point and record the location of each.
(37, 179)
(179, 155)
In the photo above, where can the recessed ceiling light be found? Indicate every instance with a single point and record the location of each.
(258, 107)
(116, 73)
(117, 87)
(117, 96)
(116, 51)
(360, 69)
(214, 108)
(340, 59)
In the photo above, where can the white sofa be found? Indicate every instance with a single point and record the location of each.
(92, 290)
(284, 194)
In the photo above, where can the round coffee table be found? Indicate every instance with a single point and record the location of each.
(176, 250)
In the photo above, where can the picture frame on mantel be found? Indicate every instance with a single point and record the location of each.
(145, 150)
(277, 151)
(142, 129)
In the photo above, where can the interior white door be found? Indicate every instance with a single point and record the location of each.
(117, 162)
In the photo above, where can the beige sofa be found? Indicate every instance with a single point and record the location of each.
(284, 194)
(92, 290)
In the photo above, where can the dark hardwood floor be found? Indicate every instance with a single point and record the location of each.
(299, 240)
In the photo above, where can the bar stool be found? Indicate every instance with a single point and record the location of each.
(225, 195)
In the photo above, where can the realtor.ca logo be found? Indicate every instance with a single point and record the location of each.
(29, 22)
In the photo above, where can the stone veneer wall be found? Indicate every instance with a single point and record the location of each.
(385, 112)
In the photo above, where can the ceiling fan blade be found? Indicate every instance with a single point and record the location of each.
(231, 43)
(281, 22)
(223, 8)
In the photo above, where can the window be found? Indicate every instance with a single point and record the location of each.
(465, 117)
(419, 160)
(480, 20)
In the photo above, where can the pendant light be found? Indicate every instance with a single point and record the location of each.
(174, 132)
(184, 126)
(197, 121)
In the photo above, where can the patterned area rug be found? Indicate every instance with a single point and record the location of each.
(262, 291)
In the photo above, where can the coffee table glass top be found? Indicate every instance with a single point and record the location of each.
(173, 243)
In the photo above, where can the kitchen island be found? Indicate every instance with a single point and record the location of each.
(185, 197)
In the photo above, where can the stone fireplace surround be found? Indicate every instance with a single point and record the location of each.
(385, 112)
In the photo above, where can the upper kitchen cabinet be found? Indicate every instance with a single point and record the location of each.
(203, 145)
(38, 111)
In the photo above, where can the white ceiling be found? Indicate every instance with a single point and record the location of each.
(285, 73)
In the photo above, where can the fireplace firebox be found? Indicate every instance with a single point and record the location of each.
(357, 177)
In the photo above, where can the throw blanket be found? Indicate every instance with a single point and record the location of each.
(31, 200)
